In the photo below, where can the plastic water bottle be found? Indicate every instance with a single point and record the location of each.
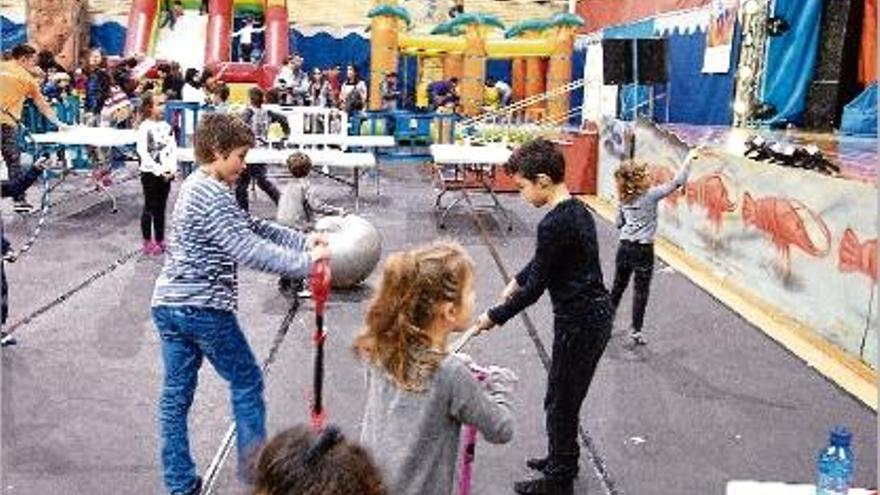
(835, 464)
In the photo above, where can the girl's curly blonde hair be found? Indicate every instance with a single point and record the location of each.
(633, 180)
(414, 283)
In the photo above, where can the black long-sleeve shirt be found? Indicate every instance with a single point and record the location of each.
(566, 261)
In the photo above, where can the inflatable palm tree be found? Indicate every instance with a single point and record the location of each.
(453, 63)
(385, 23)
(561, 29)
(528, 75)
(476, 28)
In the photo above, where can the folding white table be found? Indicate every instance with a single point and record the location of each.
(322, 161)
(90, 136)
(452, 163)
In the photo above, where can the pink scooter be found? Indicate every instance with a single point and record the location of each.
(469, 444)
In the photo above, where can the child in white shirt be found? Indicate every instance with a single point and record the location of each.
(158, 154)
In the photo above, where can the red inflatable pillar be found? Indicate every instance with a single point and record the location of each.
(218, 45)
(141, 18)
(277, 33)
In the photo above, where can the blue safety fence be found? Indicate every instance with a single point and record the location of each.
(413, 131)
(69, 112)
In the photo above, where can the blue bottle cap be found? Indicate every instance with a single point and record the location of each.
(840, 437)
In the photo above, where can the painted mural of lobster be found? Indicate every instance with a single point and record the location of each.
(783, 220)
(710, 192)
(855, 256)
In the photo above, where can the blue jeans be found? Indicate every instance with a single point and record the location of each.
(187, 334)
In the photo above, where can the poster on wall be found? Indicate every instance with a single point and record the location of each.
(719, 36)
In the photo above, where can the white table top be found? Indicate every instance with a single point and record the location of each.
(457, 154)
(371, 141)
(88, 136)
(341, 140)
(320, 158)
(772, 488)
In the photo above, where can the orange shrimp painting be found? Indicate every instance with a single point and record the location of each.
(710, 192)
(855, 256)
(786, 222)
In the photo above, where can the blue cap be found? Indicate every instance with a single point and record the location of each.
(840, 437)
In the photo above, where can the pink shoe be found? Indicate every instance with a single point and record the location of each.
(159, 248)
(149, 247)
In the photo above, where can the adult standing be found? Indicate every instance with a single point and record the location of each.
(353, 93)
(18, 83)
(293, 82)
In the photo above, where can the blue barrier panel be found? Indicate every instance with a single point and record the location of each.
(182, 116)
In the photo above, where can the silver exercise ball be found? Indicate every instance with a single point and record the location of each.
(355, 248)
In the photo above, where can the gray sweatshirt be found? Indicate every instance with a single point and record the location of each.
(299, 203)
(414, 437)
(637, 221)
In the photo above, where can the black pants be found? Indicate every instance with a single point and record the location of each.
(155, 199)
(577, 347)
(638, 258)
(257, 172)
(11, 154)
(244, 52)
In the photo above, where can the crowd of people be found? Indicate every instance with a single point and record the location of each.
(418, 394)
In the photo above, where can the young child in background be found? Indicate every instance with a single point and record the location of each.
(220, 98)
(637, 222)
(299, 203)
(299, 462)
(418, 395)
(297, 208)
(196, 296)
(566, 262)
(245, 37)
(157, 149)
(259, 119)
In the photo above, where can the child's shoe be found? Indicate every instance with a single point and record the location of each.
(149, 247)
(537, 464)
(544, 486)
(637, 337)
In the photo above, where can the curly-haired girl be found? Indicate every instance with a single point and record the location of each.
(418, 395)
(637, 222)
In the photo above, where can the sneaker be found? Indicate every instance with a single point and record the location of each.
(540, 464)
(638, 338)
(149, 247)
(22, 207)
(159, 248)
(537, 464)
(544, 486)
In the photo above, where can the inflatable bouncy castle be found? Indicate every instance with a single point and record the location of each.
(208, 36)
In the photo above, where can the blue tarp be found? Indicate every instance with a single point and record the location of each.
(860, 115)
(109, 37)
(791, 60)
(695, 97)
(324, 51)
(13, 33)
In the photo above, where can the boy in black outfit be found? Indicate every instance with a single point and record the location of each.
(566, 262)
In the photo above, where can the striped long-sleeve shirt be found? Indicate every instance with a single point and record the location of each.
(210, 235)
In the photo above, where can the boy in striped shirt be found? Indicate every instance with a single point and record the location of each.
(196, 296)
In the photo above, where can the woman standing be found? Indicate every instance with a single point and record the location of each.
(353, 93)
